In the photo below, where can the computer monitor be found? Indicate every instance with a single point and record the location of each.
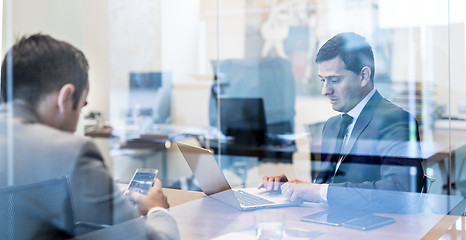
(150, 96)
(244, 120)
(268, 78)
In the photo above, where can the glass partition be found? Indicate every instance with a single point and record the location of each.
(261, 89)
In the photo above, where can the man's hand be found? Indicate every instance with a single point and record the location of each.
(273, 183)
(298, 190)
(154, 198)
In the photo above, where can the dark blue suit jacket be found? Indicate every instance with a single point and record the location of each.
(383, 151)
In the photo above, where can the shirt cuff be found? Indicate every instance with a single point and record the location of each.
(156, 209)
(323, 192)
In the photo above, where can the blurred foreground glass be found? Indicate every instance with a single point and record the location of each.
(270, 225)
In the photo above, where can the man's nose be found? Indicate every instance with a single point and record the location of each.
(326, 90)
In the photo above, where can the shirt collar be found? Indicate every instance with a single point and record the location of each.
(21, 110)
(356, 111)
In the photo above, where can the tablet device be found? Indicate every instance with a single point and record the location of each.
(334, 218)
(369, 222)
(141, 180)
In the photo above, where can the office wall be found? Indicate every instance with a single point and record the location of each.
(84, 24)
(135, 46)
(95, 45)
(63, 19)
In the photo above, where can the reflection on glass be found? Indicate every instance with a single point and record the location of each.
(161, 72)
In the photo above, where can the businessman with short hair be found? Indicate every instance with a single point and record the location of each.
(44, 86)
(373, 144)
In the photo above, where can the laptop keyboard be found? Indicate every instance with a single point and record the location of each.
(247, 199)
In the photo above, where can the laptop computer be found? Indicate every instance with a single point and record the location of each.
(213, 183)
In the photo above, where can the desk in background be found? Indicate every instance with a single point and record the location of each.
(142, 147)
(265, 151)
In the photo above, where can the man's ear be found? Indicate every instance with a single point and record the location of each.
(365, 76)
(65, 98)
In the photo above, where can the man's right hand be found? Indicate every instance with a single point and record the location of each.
(273, 183)
(154, 198)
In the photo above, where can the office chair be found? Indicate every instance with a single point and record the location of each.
(39, 211)
(427, 183)
(314, 133)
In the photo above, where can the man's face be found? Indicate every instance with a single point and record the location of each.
(72, 118)
(343, 87)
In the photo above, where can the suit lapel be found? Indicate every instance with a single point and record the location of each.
(328, 147)
(361, 123)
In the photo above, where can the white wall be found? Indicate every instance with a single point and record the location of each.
(95, 45)
(134, 43)
(84, 24)
(59, 18)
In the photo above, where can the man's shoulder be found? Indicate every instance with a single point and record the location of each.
(57, 134)
(68, 142)
(389, 114)
(42, 152)
(388, 108)
(334, 119)
(37, 134)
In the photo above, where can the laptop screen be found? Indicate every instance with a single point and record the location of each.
(204, 168)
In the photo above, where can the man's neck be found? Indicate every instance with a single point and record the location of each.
(358, 108)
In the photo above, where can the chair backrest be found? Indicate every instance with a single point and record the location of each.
(37, 211)
(314, 132)
(427, 183)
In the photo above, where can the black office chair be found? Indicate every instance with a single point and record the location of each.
(39, 211)
(427, 183)
(314, 133)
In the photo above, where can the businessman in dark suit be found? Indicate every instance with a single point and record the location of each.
(373, 144)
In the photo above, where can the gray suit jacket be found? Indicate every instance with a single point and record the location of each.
(40, 152)
(383, 151)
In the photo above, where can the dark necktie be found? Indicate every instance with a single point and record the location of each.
(333, 158)
(346, 120)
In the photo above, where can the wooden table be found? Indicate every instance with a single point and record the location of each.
(177, 197)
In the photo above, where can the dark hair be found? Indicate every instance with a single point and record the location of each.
(352, 48)
(39, 65)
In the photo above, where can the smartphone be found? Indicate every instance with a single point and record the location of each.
(141, 180)
(333, 218)
(369, 222)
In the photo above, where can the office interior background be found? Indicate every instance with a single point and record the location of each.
(160, 69)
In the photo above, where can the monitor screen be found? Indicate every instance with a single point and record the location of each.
(243, 119)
